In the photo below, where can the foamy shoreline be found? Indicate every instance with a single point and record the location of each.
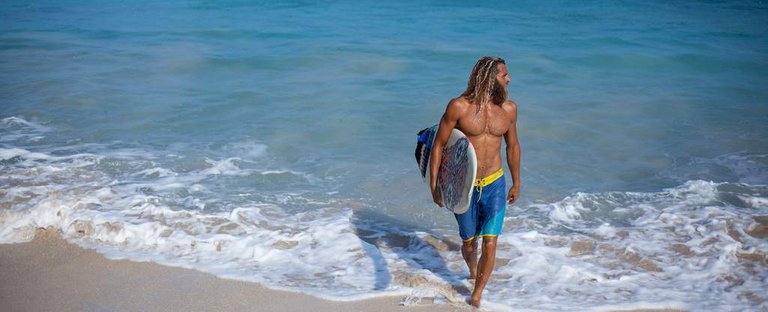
(49, 274)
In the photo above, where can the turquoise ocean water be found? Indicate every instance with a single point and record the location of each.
(273, 142)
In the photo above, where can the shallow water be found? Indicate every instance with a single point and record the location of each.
(274, 143)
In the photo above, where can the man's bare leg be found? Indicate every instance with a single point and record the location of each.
(469, 251)
(485, 267)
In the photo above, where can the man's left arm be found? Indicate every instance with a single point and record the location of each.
(513, 153)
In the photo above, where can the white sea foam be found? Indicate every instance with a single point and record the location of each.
(9, 153)
(19, 129)
(316, 251)
(569, 209)
(755, 201)
(20, 123)
(156, 172)
(688, 249)
(225, 166)
(247, 150)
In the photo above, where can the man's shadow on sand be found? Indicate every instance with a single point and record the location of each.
(380, 231)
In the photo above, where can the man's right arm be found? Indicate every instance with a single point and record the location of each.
(447, 123)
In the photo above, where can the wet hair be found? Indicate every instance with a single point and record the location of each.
(482, 86)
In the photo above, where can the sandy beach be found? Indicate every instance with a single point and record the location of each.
(49, 274)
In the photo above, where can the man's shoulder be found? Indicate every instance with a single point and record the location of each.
(458, 102)
(457, 106)
(510, 106)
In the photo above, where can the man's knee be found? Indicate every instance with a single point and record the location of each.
(470, 245)
(489, 243)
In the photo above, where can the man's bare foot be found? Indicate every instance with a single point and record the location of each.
(475, 300)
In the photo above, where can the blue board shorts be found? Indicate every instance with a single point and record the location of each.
(486, 212)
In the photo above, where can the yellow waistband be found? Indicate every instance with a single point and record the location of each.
(489, 179)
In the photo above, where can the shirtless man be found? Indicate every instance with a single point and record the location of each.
(484, 115)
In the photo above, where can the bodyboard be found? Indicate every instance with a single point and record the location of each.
(458, 167)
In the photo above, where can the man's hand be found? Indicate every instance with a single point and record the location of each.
(513, 194)
(436, 196)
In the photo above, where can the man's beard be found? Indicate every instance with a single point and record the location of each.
(498, 93)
